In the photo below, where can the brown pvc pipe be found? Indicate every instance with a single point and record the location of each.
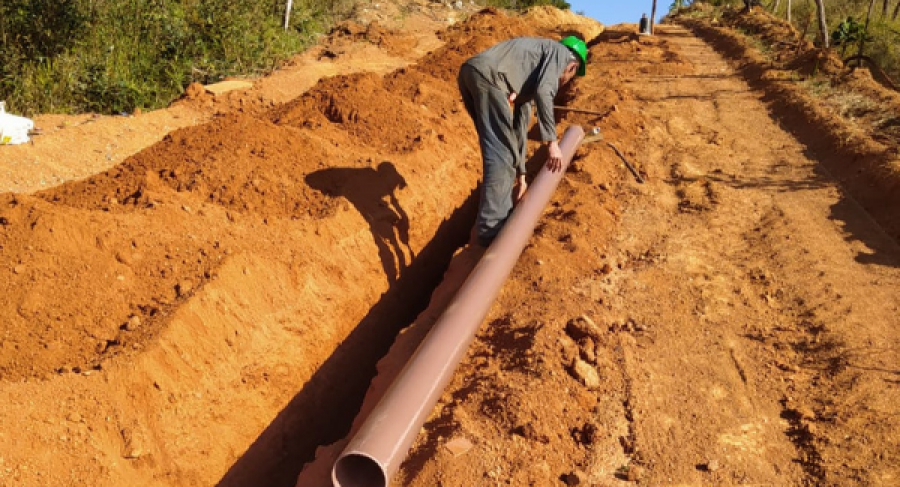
(374, 454)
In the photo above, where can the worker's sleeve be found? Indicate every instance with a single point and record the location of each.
(521, 119)
(543, 100)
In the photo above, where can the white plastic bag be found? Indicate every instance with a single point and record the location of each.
(13, 129)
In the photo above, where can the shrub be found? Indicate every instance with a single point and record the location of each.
(110, 56)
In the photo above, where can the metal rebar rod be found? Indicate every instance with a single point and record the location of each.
(375, 452)
(631, 168)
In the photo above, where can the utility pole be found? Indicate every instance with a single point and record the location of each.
(653, 18)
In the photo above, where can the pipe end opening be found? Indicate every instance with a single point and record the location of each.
(357, 470)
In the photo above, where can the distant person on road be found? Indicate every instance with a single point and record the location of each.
(498, 86)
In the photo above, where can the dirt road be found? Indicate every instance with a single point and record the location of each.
(749, 314)
(774, 303)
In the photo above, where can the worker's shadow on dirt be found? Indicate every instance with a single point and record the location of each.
(373, 192)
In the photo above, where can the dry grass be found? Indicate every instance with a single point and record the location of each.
(858, 109)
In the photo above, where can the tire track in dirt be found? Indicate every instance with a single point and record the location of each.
(773, 346)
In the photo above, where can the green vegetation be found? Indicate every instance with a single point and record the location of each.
(110, 56)
(849, 32)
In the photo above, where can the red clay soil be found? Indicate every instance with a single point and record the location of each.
(253, 165)
(234, 254)
(210, 310)
(731, 321)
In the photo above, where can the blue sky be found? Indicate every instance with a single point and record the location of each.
(612, 12)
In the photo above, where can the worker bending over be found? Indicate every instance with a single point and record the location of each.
(497, 87)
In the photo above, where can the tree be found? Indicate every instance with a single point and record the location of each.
(862, 39)
(652, 17)
(823, 25)
(778, 4)
(847, 33)
(676, 5)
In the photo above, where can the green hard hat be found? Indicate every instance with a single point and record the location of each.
(578, 47)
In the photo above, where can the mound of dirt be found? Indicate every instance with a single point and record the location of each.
(253, 162)
(82, 287)
(345, 102)
(567, 24)
(812, 61)
(238, 163)
(349, 32)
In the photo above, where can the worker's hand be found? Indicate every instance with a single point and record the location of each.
(512, 97)
(554, 157)
(520, 188)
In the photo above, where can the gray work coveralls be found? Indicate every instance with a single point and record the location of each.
(531, 68)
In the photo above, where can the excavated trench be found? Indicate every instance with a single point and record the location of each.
(323, 411)
(211, 310)
(270, 251)
(267, 359)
